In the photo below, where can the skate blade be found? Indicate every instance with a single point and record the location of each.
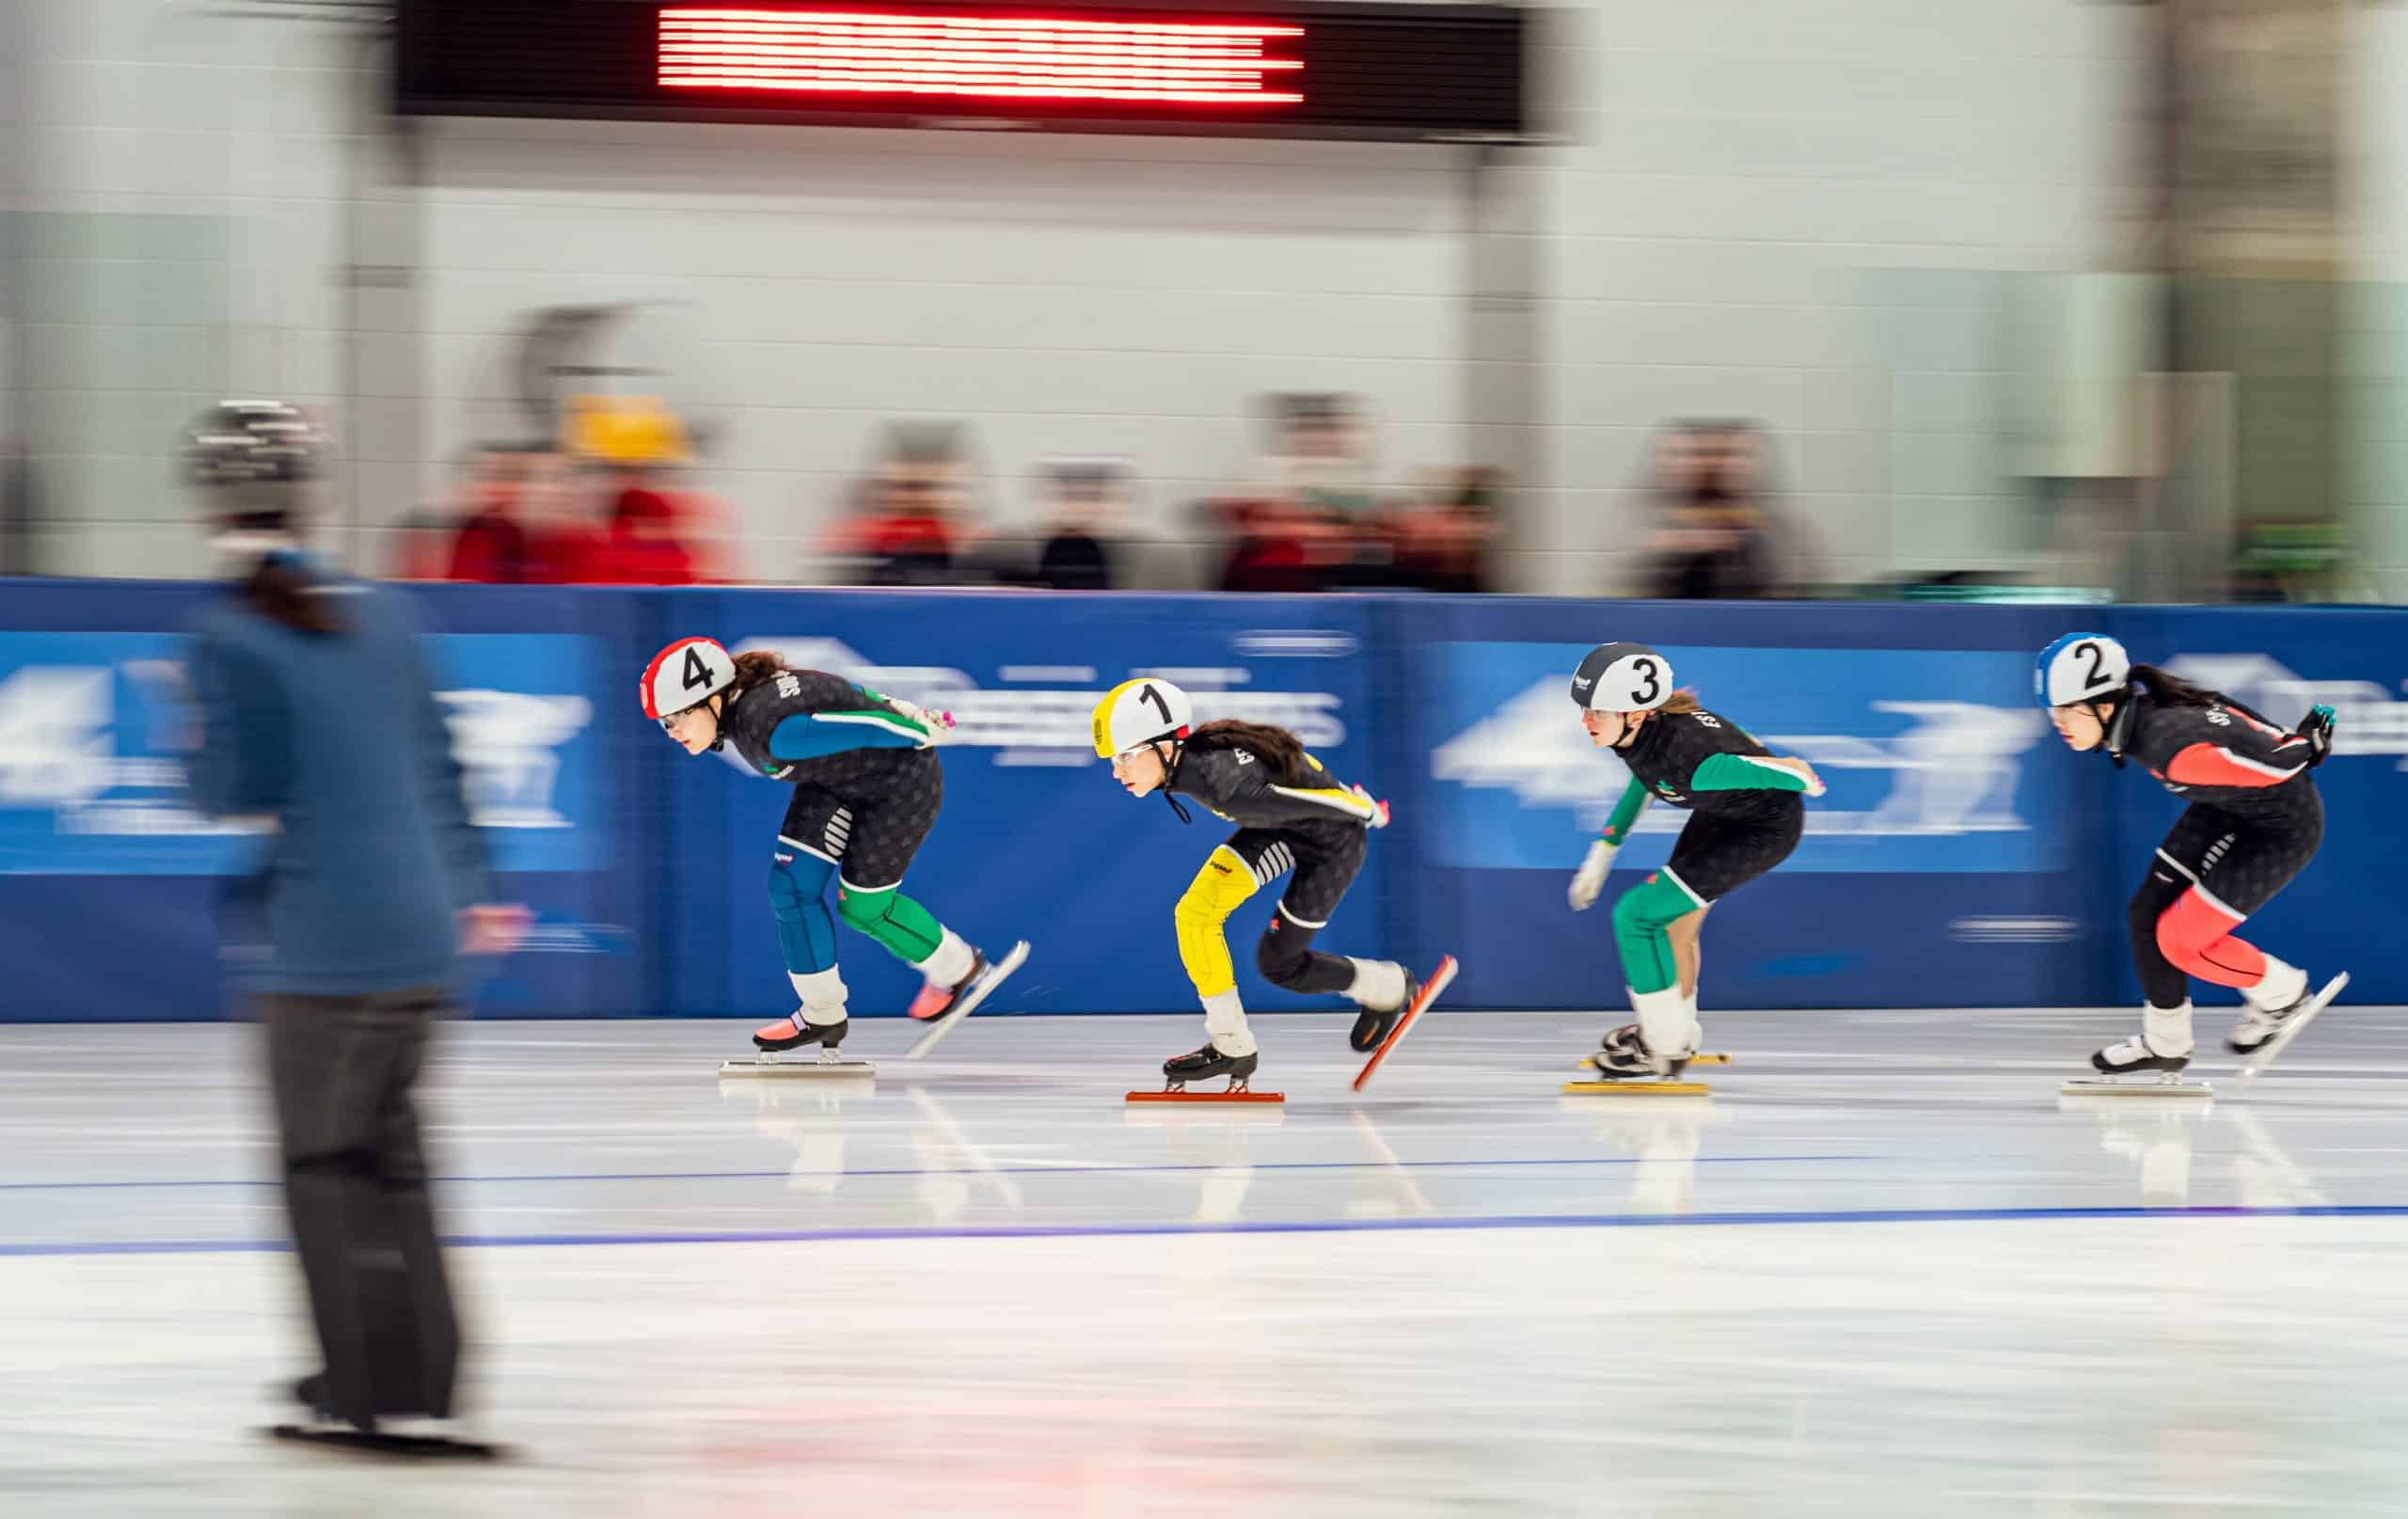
(2127, 1087)
(1694, 1060)
(1656, 1088)
(2264, 1055)
(1439, 980)
(415, 1446)
(769, 1065)
(971, 1002)
(1208, 1097)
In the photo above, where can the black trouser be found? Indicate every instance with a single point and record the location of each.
(354, 1184)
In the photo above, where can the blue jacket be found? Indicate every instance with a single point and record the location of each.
(338, 738)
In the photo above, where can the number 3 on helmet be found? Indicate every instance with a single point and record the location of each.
(1139, 712)
(2081, 666)
(1622, 677)
(687, 673)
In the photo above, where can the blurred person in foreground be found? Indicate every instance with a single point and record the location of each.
(317, 715)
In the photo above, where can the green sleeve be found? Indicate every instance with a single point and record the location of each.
(1635, 798)
(1744, 773)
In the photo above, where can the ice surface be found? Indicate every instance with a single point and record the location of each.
(1882, 1271)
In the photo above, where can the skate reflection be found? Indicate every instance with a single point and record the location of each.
(2153, 1134)
(807, 1116)
(1663, 1136)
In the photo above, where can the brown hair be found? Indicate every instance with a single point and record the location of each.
(1680, 703)
(1275, 747)
(279, 591)
(2173, 690)
(753, 668)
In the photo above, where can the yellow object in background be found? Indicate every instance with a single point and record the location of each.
(624, 430)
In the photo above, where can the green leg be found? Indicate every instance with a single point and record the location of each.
(1641, 916)
(904, 926)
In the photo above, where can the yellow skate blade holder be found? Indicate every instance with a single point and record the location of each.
(1636, 1089)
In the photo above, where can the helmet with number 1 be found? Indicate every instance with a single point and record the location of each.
(2081, 666)
(1139, 712)
(687, 673)
(1622, 677)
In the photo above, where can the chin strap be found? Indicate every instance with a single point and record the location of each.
(1170, 772)
(2119, 727)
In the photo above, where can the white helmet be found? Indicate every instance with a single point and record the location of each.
(687, 673)
(2081, 666)
(1622, 677)
(1139, 712)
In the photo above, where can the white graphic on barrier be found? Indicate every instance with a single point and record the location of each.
(59, 753)
(1049, 725)
(2367, 719)
(1954, 773)
(504, 741)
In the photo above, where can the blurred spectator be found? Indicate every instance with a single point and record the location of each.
(1321, 454)
(1718, 539)
(642, 543)
(1280, 546)
(1441, 541)
(907, 524)
(491, 544)
(1083, 503)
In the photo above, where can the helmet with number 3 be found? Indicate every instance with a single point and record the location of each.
(1622, 677)
(687, 673)
(2081, 666)
(1139, 712)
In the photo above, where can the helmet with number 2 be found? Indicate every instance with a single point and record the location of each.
(687, 673)
(2081, 666)
(1139, 712)
(1622, 677)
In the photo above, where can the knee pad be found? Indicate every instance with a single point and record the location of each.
(2197, 936)
(862, 908)
(1283, 951)
(1218, 888)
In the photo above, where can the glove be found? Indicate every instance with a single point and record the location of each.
(1814, 786)
(939, 724)
(1379, 808)
(2317, 728)
(1591, 877)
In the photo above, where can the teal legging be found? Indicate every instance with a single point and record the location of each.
(1641, 916)
(903, 926)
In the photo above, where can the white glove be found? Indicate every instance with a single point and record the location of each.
(1379, 807)
(1814, 786)
(939, 724)
(1591, 877)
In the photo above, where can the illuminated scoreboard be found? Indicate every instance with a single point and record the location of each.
(1396, 72)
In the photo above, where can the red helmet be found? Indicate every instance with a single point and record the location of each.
(687, 673)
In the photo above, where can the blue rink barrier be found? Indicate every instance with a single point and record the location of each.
(1962, 857)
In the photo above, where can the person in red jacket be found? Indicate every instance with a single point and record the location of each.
(2254, 823)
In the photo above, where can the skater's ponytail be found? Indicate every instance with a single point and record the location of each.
(1682, 700)
(1275, 747)
(754, 666)
(2173, 690)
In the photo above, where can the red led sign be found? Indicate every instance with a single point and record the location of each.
(965, 54)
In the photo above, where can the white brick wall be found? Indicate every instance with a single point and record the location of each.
(1796, 211)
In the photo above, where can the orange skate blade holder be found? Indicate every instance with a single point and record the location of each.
(1232, 1093)
(1438, 981)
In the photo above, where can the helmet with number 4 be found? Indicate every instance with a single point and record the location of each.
(687, 673)
(1139, 712)
(1622, 677)
(2081, 666)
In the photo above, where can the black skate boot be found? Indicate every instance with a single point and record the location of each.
(1371, 1025)
(792, 1033)
(2136, 1056)
(1205, 1064)
(1624, 1057)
